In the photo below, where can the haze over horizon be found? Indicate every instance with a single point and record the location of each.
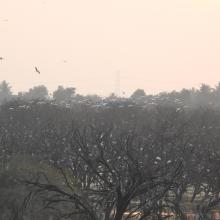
(157, 45)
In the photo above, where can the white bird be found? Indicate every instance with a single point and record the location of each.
(158, 158)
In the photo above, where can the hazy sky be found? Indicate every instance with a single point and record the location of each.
(156, 44)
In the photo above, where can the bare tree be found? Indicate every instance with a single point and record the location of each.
(114, 175)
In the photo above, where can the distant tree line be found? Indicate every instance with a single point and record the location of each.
(205, 95)
(36, 93)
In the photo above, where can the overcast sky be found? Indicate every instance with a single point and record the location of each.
(157, 45)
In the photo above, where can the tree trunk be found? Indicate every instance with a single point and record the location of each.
(121, 207)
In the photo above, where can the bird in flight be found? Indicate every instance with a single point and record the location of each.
(36, 69)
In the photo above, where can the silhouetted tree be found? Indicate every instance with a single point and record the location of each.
(204, 96)
(111, 169)
(205, 89)
(64, 94)
(93, 98)
(38, 92)
(112, 97)
(139, 93)
(5, 92)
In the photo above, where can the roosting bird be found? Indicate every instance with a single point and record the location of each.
(36, 69)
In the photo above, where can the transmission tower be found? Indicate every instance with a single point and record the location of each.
(118, 83)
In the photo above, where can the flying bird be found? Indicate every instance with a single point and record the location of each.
(36, 69)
